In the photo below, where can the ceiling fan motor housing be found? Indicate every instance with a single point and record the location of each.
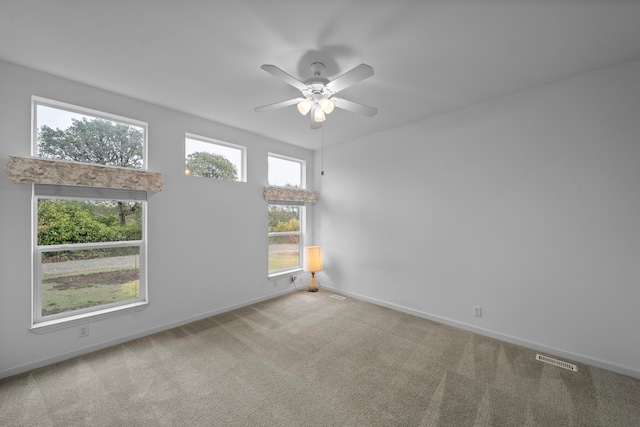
(316, 84)
(317, 68)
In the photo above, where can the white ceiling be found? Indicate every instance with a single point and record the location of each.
(430, 57)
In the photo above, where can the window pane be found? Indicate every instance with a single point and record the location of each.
(284, 218)
(285, 173)
(80, 279)
(284, 237)
(62, 221)
(284, 252)
(82, 137)
(210, 160)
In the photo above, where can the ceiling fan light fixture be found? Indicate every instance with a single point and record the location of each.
(318, 92)
(305, 106)
(327, 105)
(318, 114)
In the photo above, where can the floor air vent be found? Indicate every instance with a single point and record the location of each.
(556, 362)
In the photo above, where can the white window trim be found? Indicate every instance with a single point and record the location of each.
(301, 239)
(303, 168)
(57, 321)
(42, 324)
(82, 319)
(243, 162)
(83, 312)
(303, 212)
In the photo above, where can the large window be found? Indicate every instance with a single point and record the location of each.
(286, 221)
(89, 244)
(209, 158)
(89, 251)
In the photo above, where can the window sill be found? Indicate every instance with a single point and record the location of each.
(280, 274)
(82, 319)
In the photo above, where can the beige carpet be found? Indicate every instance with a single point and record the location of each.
(307, 359)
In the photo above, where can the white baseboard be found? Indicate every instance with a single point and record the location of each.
(624, 370)
(95, 347)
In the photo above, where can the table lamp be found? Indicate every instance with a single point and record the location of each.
(312, 263)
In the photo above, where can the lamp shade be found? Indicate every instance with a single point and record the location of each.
(305, 106)
(312, 259)
(327, 105)
(318, 114)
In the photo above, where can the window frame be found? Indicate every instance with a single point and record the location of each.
(302, 213)
(301, 238)
(53, 192)
(242, 173)
(75, 109)
(40, 323)
(303, 169)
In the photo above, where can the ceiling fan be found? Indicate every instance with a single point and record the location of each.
(319, 92)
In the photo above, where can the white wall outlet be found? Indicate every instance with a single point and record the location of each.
(477, 311)
(83, 331)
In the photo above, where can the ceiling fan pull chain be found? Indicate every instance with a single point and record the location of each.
(322, 150)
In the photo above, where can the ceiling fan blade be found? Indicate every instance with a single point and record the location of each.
(355, 107)
(272, 69)
(279, 104)
(355, 75)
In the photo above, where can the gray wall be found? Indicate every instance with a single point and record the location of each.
(528, 206)
(207, 238)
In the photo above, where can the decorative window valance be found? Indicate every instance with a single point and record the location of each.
(286, 194)
(60, 172)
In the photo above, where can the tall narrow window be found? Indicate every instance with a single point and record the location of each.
(285, 240)
(89, 245)
(286, 220)
(209, 158)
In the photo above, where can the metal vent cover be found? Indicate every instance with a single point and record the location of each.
(556, 362)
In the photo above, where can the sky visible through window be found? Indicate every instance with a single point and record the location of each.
(283, 172)
(55, 118)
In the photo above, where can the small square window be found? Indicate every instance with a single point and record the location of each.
(209, 158)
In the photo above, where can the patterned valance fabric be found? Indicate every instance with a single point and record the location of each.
(59, 172)
(286, 194)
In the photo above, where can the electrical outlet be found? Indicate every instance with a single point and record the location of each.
(477, 311)
(83, 331)
(293, 279)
